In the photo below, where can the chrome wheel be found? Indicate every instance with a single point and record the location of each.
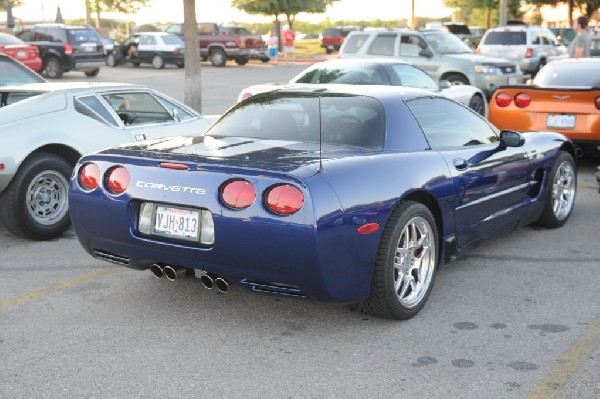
(414, 262)
(563, 190)
(46, 198)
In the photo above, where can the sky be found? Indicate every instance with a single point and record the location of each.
(221, 11)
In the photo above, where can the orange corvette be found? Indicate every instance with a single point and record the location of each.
(564, 97)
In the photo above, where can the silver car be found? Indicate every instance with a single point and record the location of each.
(530, 46)
(45, 128)
(441, 54)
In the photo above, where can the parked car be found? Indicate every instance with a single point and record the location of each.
(219, 43)
(595, 46)
(46, 127)
(347, 194)
(332, 38)
(13, 72)
(564, 97)
(156, 48)
(439, 53)
(65, 48)
(28, 54)
(379, 72)
(530, 46)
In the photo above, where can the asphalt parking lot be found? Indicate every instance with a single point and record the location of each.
(519, 317)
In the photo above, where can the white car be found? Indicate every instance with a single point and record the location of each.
(379, 72)
(46, 127)
(156, 48)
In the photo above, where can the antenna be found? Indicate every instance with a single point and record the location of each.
(321, 170)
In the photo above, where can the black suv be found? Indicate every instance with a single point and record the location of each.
(65, 48)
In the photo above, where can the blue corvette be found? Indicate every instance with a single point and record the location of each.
(347, 194)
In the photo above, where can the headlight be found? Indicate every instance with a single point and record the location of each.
(488, 69)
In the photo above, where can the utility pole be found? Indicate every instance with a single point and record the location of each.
(502, 12)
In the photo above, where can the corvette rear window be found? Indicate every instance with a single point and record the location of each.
(569, 74)
(342, 120)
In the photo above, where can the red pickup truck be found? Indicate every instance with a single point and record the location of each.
(220, 43)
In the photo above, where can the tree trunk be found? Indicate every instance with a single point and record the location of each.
(487, 18)
(193, 81)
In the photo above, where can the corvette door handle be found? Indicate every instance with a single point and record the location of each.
(460, 164)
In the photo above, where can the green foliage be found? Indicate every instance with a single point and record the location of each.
(15, 3)
(474, 12)
(287, 8)
(124, 6)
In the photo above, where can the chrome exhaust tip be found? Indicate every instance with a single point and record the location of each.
(222, 285)
(157, 270)
(208, 280)
(173, 272)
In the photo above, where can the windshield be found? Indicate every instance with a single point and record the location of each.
(353, 74)
(569, 74)
(447, 43)
(343, 119)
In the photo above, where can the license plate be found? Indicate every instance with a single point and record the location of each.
(560, 121)
(513, 80)
(176, 222)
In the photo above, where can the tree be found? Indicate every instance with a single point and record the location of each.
(123, 6)
(289, 8)
(469, 10)
(586, 7)
(193, 81)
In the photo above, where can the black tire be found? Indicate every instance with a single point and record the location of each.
(35, 204)
(560, 190)
(136, 63)
(53, 68)
(180, 65)
(158, 62)
(110, 60)
(241, 60)
(456, 79)
(218, 57)
(477, 104)
(203, 58)
(265, 59)
(328, 50)
(92, 73)
(400, 290)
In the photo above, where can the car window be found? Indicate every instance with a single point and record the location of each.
(347, 120)
(568, 74)
(138, 108)
(79, 36)
(409, 76)
(92, 107)
(182, 113)
(175, 28)
(172, 39)
(148, 40)
(411, 45)
(448, 124)
(383, 44)
(353, 43)
(26, 36)
(12, 73)
(506, 38)
(332, 32)
(446, 43)
(343, 75)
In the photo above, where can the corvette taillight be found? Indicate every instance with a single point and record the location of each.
(238, 194)
(503, 99)
(522, 100)
(529, 53)
(284, 199)
(597, 101)
(89, 176)
(117, 180)
(68, 48)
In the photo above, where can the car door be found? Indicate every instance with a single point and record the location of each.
(411, 51)
(491, 182)
(147, 48)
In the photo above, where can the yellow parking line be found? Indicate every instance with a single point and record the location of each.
(555, 382)
(67, 284)
(595, 187)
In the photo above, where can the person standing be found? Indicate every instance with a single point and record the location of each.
(288, 44)
(580, 46)
(273, 47)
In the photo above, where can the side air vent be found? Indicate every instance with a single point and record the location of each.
(110, 257)
(273, 288)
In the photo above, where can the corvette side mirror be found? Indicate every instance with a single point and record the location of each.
(509, 138)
